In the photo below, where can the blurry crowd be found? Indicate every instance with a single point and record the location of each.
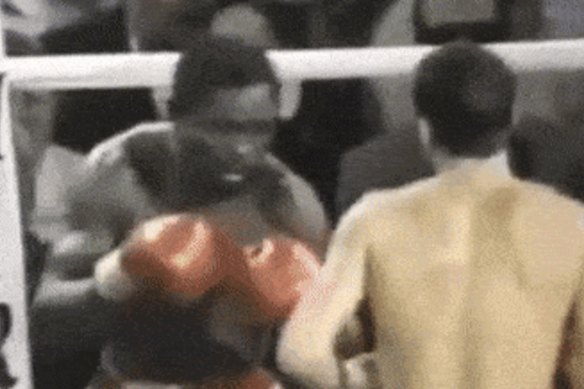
(344, 137)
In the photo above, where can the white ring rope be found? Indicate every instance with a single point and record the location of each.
(151, 70)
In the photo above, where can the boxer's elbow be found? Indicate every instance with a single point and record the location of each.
(67, 317)
(74, 256)
(301, 357)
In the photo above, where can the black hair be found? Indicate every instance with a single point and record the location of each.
(213, 63)
(467, 94)
(19, 44)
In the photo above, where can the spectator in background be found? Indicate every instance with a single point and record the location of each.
(156, 25)
(78, 27)
(86, 117)
(352, 22)
(437, 22)
(32, 113)
(550, 149)
(562, 19)
(53, 14)
(385, 161)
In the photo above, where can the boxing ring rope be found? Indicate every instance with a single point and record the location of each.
(151, 70)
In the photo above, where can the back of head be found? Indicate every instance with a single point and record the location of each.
(212, 64)
(466, 93)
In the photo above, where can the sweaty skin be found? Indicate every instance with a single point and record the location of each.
(470, 277)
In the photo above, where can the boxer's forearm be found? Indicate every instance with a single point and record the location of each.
(67, 317)
(308, 342)
(301, 214)
(361, 372)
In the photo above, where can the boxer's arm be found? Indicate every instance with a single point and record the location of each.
(67, 314)
(110, 197)
(307, 349)
(575, 363)
(308, 220)
(300, 212)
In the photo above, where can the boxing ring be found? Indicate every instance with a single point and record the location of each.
(156, 70)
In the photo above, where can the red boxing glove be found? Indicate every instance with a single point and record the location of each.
(274, 275)
(257, 379)
(186, 257)
(179, 255)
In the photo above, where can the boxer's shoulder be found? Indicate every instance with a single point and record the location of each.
(147, 153)
(123, 148)
(401, 199)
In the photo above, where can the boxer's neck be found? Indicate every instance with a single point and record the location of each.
(444, 161)
(499, 162)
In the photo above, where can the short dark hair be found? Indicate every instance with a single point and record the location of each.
(213, 63)
(467, 95)
(19, 44)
